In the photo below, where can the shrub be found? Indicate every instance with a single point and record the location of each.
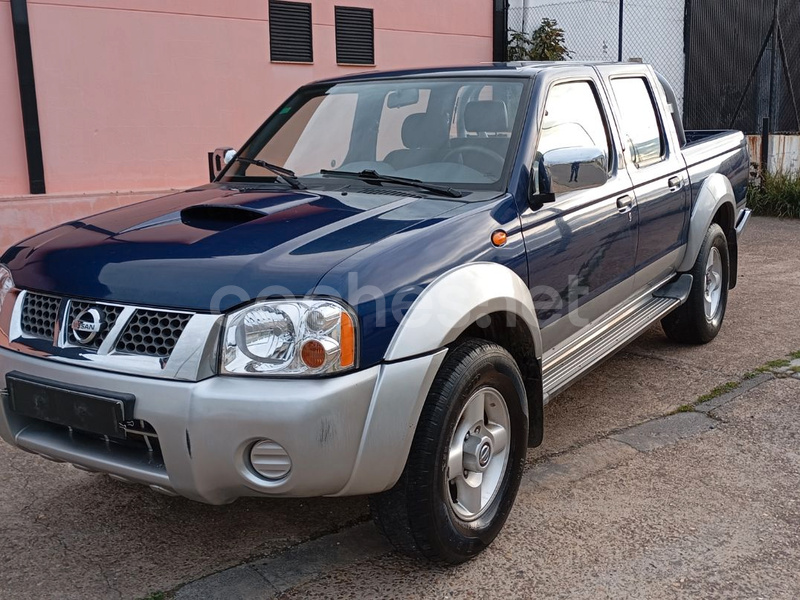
(546, 43)
(777, 196)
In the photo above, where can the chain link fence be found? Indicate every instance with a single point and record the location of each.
(652, 31)
(718, 56)
(743, 65)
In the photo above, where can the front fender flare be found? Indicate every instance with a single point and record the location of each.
(714, 194)
(455, 300)
(440, 314)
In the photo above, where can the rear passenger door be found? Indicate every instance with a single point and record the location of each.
(656, 167)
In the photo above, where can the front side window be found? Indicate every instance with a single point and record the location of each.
(572, 119)
(639, 122)
(574, 147)
(457, 131)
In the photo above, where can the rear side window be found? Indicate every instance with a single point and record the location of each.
(572, 119)
(639, 121)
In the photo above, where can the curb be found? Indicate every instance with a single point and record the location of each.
(744, 387)
(303, 563)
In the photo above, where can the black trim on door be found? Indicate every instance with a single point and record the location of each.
(27, 96)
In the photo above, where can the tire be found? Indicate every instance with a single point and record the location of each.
(699, 319)
(430, 515)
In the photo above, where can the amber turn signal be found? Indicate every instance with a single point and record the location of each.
(499, 238)
(313, 354)
(348, 341)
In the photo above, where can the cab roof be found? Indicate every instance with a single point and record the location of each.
(507, 69)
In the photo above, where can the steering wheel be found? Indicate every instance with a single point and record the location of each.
(496, 158)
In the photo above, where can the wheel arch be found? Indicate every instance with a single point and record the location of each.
(725, 217)
(715, 203)
(482, 300)
(456, 300)
(505, 330)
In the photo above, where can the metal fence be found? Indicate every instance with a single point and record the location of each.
(743, 65)
(650, 30)
(721, 57)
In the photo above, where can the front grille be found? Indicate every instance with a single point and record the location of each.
(125, 330)
(152, 333)
(40, 315)
(111, 314)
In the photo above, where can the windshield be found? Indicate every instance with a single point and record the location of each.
(455, 131)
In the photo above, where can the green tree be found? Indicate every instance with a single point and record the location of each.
(546, 43)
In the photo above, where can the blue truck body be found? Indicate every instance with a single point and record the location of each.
(315, 238)
(281, 335)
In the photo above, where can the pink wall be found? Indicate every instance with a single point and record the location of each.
(132, 94)
(22, 216)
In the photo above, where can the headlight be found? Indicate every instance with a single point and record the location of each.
(6, 283)
(289, 337)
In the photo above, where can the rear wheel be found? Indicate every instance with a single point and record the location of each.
(699, 319)
(466, 460)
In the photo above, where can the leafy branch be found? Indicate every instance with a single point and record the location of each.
(546, 43)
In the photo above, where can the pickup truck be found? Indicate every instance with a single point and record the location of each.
(377, 294)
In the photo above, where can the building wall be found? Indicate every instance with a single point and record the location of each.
(132, 94)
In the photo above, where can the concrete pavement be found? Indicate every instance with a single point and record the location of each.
(67, 534)
(709, 510)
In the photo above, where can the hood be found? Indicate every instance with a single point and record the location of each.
(215, 247)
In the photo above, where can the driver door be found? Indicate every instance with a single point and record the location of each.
(581, 248)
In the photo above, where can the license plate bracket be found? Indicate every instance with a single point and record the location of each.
(82, 408)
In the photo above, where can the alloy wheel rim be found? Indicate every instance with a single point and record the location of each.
(712, 293)
(478, 454)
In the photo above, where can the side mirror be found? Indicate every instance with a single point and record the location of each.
(218, 159)
(565, 170)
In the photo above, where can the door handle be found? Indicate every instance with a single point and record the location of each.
(675, 183)
(624, 204)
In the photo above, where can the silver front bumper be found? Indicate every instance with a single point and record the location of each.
(345, 435)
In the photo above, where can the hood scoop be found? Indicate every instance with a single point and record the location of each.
(219, 217)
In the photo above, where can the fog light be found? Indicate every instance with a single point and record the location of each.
(270, 460)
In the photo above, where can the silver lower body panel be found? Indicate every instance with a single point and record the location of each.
(205, 429)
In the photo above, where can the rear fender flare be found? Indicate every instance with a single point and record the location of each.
(715, 192)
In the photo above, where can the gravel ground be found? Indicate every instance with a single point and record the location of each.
(712, 516)
(68, 534)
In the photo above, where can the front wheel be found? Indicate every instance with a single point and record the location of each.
(466, 460)
(699, 319)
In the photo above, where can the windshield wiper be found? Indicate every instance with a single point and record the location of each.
(370, 175)
(286, 175)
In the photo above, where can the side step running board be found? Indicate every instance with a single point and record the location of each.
(602, 340)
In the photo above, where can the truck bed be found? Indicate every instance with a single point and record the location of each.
(721, 151)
